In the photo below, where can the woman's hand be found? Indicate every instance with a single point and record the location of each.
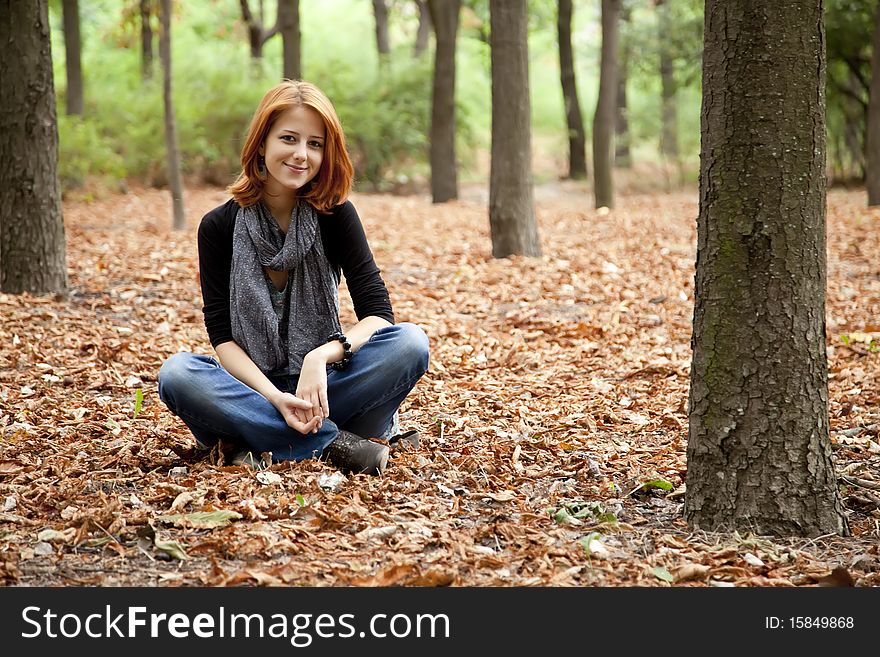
(312, 388)
(296, 412)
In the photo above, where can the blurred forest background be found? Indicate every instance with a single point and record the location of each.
(385, 101)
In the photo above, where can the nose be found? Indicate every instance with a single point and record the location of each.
(299, 152)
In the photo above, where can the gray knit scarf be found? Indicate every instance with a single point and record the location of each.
(311, 295)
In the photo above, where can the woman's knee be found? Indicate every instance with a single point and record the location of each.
(412, 346)
(177, 373)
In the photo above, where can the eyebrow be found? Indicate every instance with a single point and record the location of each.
(294, 132)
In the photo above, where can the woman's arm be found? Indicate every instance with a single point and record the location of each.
(296, 412)
(312, 385)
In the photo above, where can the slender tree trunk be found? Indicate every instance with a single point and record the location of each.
(854, 127)
(380, 12)
(603, 121)
(512, 220)
(577, 147)
(759, 455)
(255, 30)
(174, 177)
(872, 174)
(32, 242)
(73, 58)
(258, 35)
(622, 158)
(424, 32)
(444, 169)
(669, 132)
(146, 40)
(288, 22)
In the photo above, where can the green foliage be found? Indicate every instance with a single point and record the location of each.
(575, 512)
(138, 402)
(84, 152)
(849, 26)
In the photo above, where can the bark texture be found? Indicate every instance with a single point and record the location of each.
(759, 455)
(73, 58)
(511, 197)
(173, 152)
(872, 154)
(577, 145)
(288, 22)
(444, 168)
(603, 121)
(32, 242)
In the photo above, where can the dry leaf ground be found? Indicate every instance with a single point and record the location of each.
(557, 388)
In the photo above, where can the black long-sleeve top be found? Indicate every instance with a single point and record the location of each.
(345, 245)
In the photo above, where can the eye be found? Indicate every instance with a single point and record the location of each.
(316, 144)
(290, 139)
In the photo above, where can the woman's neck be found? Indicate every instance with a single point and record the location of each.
(281, 207)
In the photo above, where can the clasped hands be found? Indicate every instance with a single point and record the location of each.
(306, 410)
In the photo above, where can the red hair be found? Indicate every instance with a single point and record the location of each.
(332, 185)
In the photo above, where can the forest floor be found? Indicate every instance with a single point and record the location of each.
(552, 416)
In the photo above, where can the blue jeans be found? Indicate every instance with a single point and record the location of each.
(363, 398)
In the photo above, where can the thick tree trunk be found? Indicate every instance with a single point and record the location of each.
(511, 197)
(622, 158)
(174, 177)
(288, 22)
(603, 121)
(872, 174)
(380, 12)
(73, 57)
(444, 169)
(577, 147)
(32, 242)
(146, 40)
(759, 455)
(669, 109)
(424, 32)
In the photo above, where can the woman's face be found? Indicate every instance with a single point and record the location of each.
(294, 150)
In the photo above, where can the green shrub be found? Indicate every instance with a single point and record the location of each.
(84, 153)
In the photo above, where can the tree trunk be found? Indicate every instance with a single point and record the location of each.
(288, 22)
(603, 121)
(759, 455)
(444, 169)
(577, 148)
(380, 12)
(622, 158)
(32, 242)
(174, 177)
(424, 32)
(872, 174)
(511, 197)
(73, 58)
(854, 127)
(669, 110)
(257, 34)
(146, 40)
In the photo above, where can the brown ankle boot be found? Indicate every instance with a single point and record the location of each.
(351, 453)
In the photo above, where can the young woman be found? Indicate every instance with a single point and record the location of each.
(288, 380)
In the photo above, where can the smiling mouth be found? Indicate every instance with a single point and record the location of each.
(293, 167)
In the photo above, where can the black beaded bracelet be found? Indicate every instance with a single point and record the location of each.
(346, 354)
